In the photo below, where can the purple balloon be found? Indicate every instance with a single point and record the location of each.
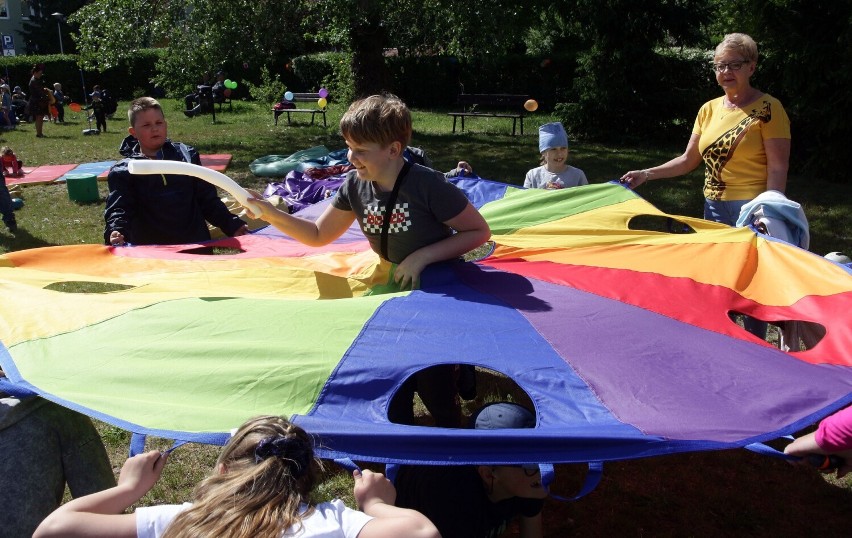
(323, 93)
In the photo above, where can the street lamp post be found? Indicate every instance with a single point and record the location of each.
(59, 18)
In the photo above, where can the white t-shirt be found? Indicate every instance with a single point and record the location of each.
(328, 520)
(539, 178)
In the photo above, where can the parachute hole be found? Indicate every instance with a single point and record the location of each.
(451, 394)
(213, 251)
(659, 223)
(788, 335)
(81, 286)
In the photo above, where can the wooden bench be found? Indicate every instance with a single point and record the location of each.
(225, 101)
(491, 105)
(302, 98)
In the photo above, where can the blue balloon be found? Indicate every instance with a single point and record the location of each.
(17, 203)
(288, 96)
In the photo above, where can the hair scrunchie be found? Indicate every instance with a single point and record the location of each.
(295, 453)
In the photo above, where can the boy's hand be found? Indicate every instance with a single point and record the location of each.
(242, 230)
(407, 273)
(464, 165)
(116, 238)
(259, 201)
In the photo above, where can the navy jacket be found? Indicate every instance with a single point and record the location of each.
(163, 209)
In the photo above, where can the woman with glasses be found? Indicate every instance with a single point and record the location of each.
(743, 138)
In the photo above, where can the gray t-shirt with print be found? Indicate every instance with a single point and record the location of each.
(426, 200)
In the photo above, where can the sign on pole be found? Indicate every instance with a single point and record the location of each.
(8, 45)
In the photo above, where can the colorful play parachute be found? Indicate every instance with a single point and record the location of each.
(621, 337)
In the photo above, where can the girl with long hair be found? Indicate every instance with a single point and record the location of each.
(261, 487)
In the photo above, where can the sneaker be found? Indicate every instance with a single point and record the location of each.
(13, 227)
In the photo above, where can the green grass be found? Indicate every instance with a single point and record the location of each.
(730, 493)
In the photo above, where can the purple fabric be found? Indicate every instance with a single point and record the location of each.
(703, 395)
(300, 192)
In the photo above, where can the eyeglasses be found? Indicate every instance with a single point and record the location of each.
(733, 66)
(530, 469)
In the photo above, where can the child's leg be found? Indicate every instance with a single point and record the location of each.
(6, 206)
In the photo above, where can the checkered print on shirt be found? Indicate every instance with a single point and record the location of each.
(400, 219)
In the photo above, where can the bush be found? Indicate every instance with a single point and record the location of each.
(270, 88)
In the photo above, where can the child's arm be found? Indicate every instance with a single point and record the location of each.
(100, 514)
(471, 231)
(806, 444)
(375, 496)
(328, 227)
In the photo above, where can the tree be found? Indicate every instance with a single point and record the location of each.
(198, 35)
(41, 32)
(624, 87)
(805, 49)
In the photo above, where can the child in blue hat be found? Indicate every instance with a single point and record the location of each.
(554, 172)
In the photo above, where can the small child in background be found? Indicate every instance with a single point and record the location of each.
(12, 166)
(554, 172)
(60, 102)
(98, 108)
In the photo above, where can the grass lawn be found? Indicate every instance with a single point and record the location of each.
(731, 493)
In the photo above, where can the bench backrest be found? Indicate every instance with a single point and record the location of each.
(495, 100)
(307, 98)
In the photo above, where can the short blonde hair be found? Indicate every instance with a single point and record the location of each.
(142, 104)
(380, 119)
(741, 43)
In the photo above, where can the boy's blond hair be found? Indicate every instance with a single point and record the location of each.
(380, 119)
(6, 150)
(141, 104)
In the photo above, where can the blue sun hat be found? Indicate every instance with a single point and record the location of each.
(552, 135)
(500, 415)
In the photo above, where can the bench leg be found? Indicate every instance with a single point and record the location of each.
(462, 123)
(454, 123)
(522, 126)
(514, 125)
(324, 124)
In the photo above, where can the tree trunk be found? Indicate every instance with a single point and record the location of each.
(369, 73)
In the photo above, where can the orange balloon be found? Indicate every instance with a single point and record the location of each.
(75, 107)
(531, 105)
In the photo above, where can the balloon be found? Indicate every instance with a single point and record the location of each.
(531, 105)
(157, 166)
(233, 85)
(227, 83)
(75, 107)
(323, 93)
(17, 203)
(288, 96)
(322, 102)
(227, 92)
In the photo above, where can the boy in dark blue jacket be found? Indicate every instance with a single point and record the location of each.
(160, 209)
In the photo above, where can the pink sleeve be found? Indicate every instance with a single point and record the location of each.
(835, 432)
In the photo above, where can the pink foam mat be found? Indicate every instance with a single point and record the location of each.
(39, 175)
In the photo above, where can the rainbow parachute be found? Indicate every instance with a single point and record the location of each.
(620, 337)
